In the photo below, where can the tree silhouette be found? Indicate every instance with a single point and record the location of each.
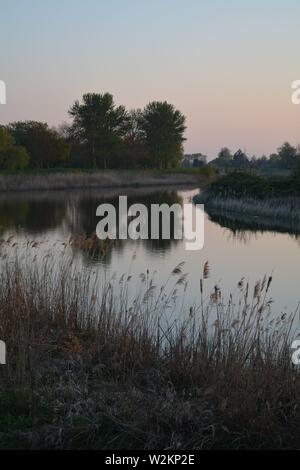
(99, 124)
(163, 127)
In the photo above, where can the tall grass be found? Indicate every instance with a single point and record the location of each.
(57, 180)
(287, 208)
(90, 366)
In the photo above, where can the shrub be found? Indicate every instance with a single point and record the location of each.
(238, 185)
(44, 145)
(5, 139)
(210, 171)
(14, 158)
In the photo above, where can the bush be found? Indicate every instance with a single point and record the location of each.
(14, 158)
(239, 185)
(210, 171)
(45, 146)
(5, 139)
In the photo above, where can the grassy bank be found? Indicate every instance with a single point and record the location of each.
(254, 196)
(89, 368)
(287, 209)
(75, 179)
(242, 224)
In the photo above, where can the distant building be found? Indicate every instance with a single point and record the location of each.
(194, 160)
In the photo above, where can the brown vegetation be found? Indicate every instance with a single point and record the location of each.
(93, 179)
(90, 368)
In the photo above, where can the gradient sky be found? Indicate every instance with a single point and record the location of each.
(227, 65)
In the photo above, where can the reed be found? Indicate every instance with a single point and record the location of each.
(285, 209)
(72, 179)
(91, 366)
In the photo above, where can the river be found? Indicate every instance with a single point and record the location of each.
(45, 221)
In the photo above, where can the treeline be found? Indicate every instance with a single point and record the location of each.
(100, 135)
(103, 135)
(287, 157)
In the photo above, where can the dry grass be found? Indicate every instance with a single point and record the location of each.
(276, 208)
(91, 367)
(92, 179)
(91, 245)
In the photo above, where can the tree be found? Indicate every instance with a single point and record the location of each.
(163, 128)
(45, 146)
(225, 154)
(133, 132)
(274, 160)
(11, 157)
(6, 140)
(240, 159)
(133, 152)
(99, 124)
(288, 155)
(14, 158)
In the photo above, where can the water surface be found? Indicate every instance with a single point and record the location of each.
(233, 249)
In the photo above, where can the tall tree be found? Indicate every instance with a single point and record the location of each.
(133, 153)
(288, 155)
(163, 127)
(225, 154)
(240, 159)
(99, 124)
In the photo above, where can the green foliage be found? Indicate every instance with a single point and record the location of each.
(239, 185)
(14, 158)
(284, 161)
(98, 124)
(240, 160)
(45, 146)
(132, 153)
(103, 135)
(209, 170)
(163, 127)
(225, 154)
(6, 140)
(11, 157)
(288, 155)
(242, 185)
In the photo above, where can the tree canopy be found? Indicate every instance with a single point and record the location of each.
(99, 124)
(163, 127)
(104, 135)
(45, 146)
(12, 157)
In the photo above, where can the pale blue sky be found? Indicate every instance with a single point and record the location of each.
(227, 65)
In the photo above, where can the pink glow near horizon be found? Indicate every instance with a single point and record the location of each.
(228, 67)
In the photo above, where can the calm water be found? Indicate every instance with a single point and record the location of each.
(233, 250)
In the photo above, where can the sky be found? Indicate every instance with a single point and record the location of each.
(227, 65)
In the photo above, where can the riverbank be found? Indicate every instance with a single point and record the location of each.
(239, 223)
(287, 209)
(58, 180)
(253, 196)
(90, 369)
